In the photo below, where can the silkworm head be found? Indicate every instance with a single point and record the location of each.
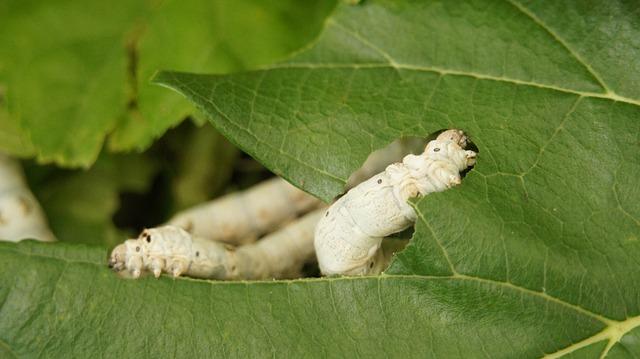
(145, 236)
(454, 135)
(117, 258)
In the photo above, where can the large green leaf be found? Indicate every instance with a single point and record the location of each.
(210, 37)
(537, 252)
(552, 208)
(63, 68)
(61, 301)
(73, 71)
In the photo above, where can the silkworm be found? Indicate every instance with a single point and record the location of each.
(349, 234)
(171, 249)
(242, 217)
(21, 216)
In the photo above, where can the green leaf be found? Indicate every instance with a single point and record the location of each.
(61, 300)
(72, 72)
(535, 253)
(63, 65)
(209, 37)
(204, 165)
(10, 135)
(80, 204)
(549, 92)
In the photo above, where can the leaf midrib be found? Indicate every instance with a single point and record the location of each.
(444, 72)
(612, 333)
(392, 63)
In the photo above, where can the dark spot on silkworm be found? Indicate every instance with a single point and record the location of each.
(326, 214)
(379, 181)
(233, 268)
(197, 254)
(137, 249)
(436, 150)
(148, 239)
(371, 265)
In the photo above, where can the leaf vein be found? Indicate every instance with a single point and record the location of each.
(398, 66)
(563, 43)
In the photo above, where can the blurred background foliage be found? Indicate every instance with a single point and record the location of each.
(106, 152)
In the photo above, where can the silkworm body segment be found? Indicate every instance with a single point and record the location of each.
(241, 217)
(349, 235)
(21, 216)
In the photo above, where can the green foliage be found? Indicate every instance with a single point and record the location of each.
(552, 207)
(53, 49)
(536, 252)
(80, 204)
(72, 72)
(202, 165)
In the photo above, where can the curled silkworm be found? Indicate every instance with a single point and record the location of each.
(171, 249)
(349, 235)
(21, 216)
(242, 217)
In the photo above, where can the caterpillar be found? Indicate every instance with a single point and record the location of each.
(197, 242)
(349, 234)
(171, 249)
(21, 216)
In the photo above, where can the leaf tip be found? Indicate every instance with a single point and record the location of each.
(163, 78)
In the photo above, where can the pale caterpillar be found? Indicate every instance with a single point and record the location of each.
(170, 249)
(21, 216)
(242, 217)
(349, 234)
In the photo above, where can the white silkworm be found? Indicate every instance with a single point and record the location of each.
(21, 216)
(171, 249)
(349, 235)
(241, 217)
(347, 240)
